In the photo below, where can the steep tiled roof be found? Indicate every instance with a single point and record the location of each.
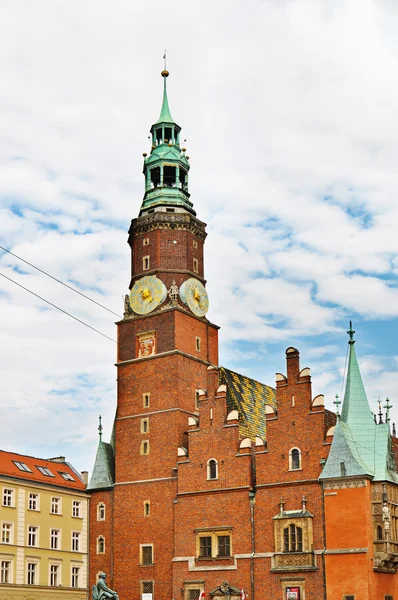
(249, 397)
(9, 468)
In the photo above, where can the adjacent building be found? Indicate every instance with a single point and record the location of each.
(213, 482)
(44, 529)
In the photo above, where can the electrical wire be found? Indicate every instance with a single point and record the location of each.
(59, 281)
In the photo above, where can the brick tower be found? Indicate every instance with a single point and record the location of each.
(165, 345)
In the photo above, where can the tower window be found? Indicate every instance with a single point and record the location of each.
(212, 469)
(101, 545)
(145, 263)
(183, 178)
(168, 134)
(101, 512)
(169, 176)
(158, 135)
(144, 425)
(147, 508)
(197, 343)
(155, 176)
(294, 459)
(195, 265)
(145, 242)
(145, 447)
(195, 243)
(146, 399)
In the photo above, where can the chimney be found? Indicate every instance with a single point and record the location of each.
(84, 475)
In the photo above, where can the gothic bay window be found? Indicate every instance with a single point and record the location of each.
(292, 539)
(214, 544)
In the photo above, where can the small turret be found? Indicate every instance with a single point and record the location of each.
(166, 168)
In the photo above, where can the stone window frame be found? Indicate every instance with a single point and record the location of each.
(146, 399)
(349, 596)
(100, 544)
(145, 448)
(101, 507)
(145, 242)
(291, 467)
(195, 265)
(192, 585)
(209, 464)
(198, 343)
(213, 533)
(142, 548)
(304, 522)
(76, 541)
(146, 262)
(289, 583)
(147, 508)
(144, 425)
(152, 586)
(292, 543)
(77, 509)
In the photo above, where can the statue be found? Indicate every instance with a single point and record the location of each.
(101, 590)
(127, 307)
(386, 516)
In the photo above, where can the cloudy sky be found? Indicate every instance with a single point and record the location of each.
(290, 111)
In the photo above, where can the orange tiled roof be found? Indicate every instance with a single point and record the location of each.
(9, 468)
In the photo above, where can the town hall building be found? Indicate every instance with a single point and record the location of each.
(213, 482)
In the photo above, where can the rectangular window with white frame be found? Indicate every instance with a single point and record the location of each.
(54, 579)
(8, 497)
(33, 502)
(33, 536)
(56, 506)
(32, 573)
(76, 541)
(55, 539)
(76, 508)
(75, 577)
(5, 571)
(7, 533)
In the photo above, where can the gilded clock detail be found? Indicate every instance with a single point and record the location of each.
(193, 293)
(146, 294)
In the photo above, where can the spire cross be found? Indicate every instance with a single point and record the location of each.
(387, 406)
(380, 413)
(351, 334)
(337, 402)
(100, 428)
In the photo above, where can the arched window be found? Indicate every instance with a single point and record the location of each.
(294, 459)
(212, 469)
(292, 539)
(101, 512)
(379, 532)
(100, 544)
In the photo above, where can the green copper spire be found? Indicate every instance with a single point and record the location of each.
(165, 115)
(166, 168)
(103, 475)
(360, 446)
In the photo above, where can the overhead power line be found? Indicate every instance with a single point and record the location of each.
(59, 281)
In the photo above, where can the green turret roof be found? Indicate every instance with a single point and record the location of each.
(165, 115)
(360, 446)
(103, 475)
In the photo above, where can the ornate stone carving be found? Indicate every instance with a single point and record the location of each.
(173, 293)
(161, 220)
(342, 483)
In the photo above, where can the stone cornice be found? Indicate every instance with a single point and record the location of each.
(163, 220)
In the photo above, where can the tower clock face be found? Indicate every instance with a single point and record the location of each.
(194, 295)
(146, 294)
